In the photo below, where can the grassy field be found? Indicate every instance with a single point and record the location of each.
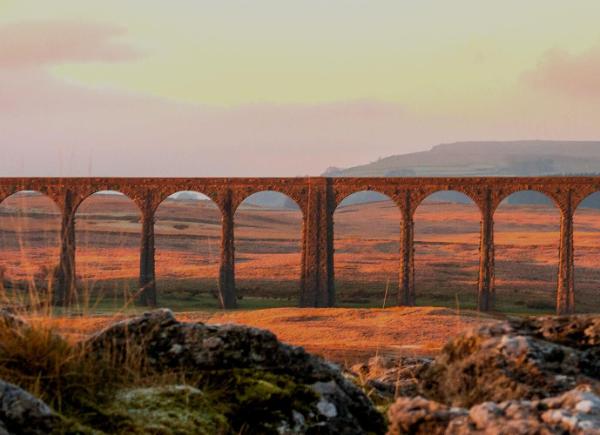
(340, 334)
(268, 254)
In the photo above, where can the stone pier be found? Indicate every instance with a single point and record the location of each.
(317, 198)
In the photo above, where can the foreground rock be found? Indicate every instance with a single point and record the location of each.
(391, 376)
(22, 413)
(529, 358)
(574, 412)
(276, 388)
(169, 409)
(524, 376)
(521, 376)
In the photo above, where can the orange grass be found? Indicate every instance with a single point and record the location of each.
(366, 264)
(341, 334)
(268, 247)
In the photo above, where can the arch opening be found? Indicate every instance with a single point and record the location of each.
(367, 250)
(586, 241)
(30, 225)
(107, 256)
(187, 235)
(268, 238)
(526, 235)
(447, 233)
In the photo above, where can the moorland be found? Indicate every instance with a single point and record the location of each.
(268, 253)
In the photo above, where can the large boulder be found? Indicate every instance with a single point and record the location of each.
(288, 389)
(574, 412)
(530, 358)
(22, 413)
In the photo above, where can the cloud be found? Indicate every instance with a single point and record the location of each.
(573, 75)
(41, 43)
(52, 127)
(56, 128)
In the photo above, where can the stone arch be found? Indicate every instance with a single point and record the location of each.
(343, 191)
(538, 196)
(107, 232)
(187, 237)
(554, 195)
(6, 194)
(30, 222)
(268, 248)
(366, 257)
(297, 195)
(173, 192)
(161, 193)
(446, 245)
(343, 197)
(586, 241)
(418, 196)
(84, 195)
(527, 237)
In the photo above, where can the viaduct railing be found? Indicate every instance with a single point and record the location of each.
(317, 198)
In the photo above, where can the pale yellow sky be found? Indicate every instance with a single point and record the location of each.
(461, 69)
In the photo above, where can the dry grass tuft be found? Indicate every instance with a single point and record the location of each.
(43, 363)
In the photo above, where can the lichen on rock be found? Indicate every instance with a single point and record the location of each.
(169, 410)
(538, 375)
(264, 384)
(21, 412)
(530, 358)
(388, 376)
(153, 374)
(575, 412)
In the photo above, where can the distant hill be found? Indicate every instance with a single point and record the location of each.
(524, 158)
(514, 158)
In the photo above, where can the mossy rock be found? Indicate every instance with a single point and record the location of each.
(232, 380)
(168, 410)
(261, 401)
(228, 401)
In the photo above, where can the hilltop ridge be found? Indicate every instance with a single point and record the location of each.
(486, 158)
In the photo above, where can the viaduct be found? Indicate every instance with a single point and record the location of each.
(317, 198)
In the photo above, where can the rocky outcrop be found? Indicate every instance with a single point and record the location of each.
(529, 358)
(574, 412)
(391, 376)
(235, 355)
(523, 376)
(536, 375)
(21, 413)
(417, 415)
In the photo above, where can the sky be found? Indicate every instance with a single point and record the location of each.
(284, 88)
